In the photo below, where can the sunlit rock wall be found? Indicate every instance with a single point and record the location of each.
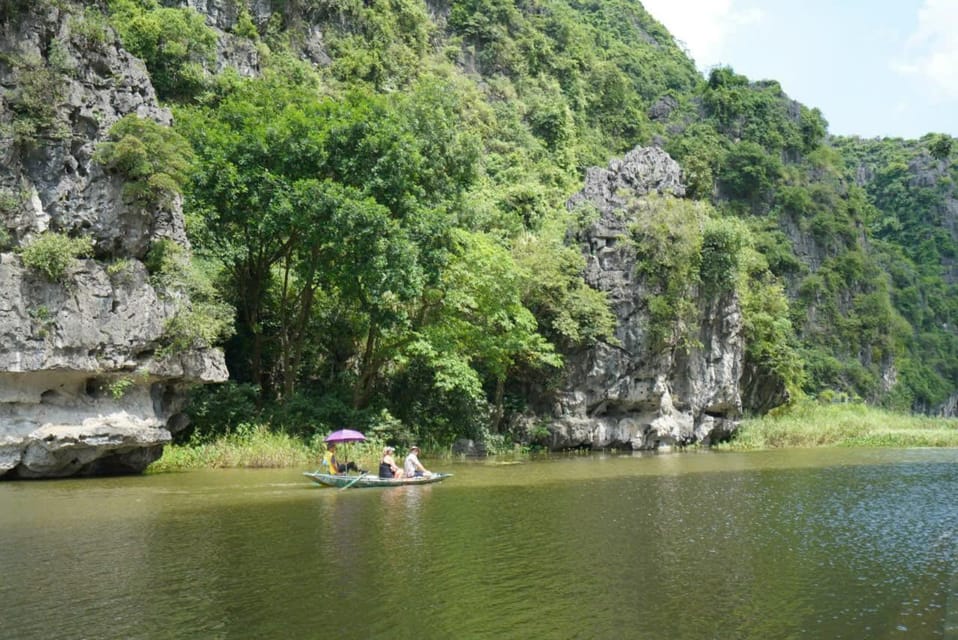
(83, 389)
(631, 394)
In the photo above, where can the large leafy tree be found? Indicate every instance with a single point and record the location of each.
(254, 152)
(349, 201)
(482, 325)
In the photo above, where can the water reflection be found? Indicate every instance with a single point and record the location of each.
(781, 545)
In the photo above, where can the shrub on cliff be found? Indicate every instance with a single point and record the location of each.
(52, 253)
(39, 88)
(174, 42)
(667, 234)
(201, 318)
(154, 159)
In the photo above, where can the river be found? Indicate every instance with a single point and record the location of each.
(831, 543)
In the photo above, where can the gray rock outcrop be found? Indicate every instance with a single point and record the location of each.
(240, 53)
(634, 394)
(88, 384)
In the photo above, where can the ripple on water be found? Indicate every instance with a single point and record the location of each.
(647, 547)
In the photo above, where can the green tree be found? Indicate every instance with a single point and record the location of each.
(347, 200)
(254, 148)
(940, 147)
(483, 324)
(749, 173)
(570, 313)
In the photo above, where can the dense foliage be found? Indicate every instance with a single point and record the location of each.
(390, 226)
(153, 160)
(913, 188)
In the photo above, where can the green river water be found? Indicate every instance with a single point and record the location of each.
(786, 544)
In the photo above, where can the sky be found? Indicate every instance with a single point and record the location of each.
(875, 68)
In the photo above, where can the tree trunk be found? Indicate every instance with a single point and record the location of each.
(367, 371)
(498, 410)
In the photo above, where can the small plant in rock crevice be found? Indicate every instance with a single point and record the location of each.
(44, 319)
(119, 387)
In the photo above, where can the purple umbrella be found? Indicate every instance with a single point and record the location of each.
(345, 435)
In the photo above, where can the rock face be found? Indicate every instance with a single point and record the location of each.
(86, 386)
(631, 394)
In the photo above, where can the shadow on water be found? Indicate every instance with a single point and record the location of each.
(799, 544)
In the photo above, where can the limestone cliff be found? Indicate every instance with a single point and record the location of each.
(933, 181)
(88, 383)
(636, 394)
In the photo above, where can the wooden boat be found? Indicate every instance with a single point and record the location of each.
(369, 480)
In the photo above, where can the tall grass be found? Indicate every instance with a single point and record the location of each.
(810, 424)
(256, 446)
(251, 446)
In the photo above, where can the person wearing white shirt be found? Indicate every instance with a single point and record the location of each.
(412, 468)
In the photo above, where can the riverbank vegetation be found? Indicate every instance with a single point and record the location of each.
(807, 424)
(258, 446)
(390, 225)
(252, 447)
(810, 424)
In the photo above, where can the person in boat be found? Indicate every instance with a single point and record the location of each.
(412, 468)
(335, 467)
(387, 465)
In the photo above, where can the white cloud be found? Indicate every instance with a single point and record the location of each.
(931, 52)
(703, 26)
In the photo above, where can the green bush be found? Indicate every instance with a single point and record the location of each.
(245, 28)
(749, 172)
(166, 261)
(154, 159)
(722, 242)
(940, 146)
(667, 234)
(218, 409)
(90, 30)
(10, 201)
(52, 253)
(39, 90)
(175, 44)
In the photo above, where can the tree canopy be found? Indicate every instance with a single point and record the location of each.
(390, 224)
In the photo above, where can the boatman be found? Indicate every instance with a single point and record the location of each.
(412, 467)
(329, 460)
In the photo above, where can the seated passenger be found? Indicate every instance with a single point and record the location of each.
(387, 465)
(412, 468)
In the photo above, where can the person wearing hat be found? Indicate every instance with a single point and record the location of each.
(387, 464)
(412, 468)
(336, 467)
